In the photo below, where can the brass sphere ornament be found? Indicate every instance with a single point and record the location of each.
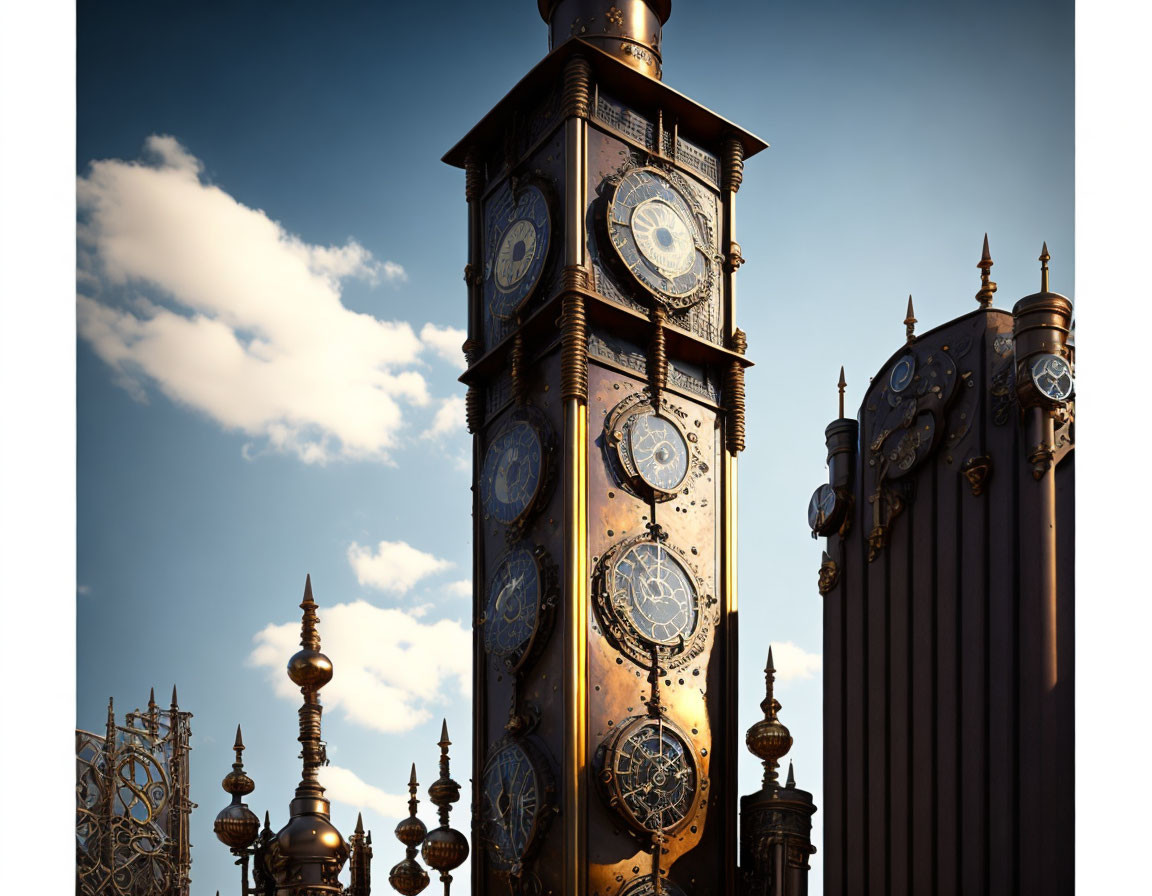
(769, 739)
(237, 826)
(407, 876)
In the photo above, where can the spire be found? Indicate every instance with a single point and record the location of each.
(987, 287)
(791, 782)
(238, 746)
(445, 847)
(1044, 259)
(407, 876)
(910, 322)
(310, 670)
(151, 699)
(841, 386)
(769, 739)
(174, 701)
(359, 823)
(237, 826)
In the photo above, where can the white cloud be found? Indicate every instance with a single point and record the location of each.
(794, 662)
(449, 419)
(446, 342)
(462, 588)
(389, 667)
(393, 566)
(216, 305)
(342, 785)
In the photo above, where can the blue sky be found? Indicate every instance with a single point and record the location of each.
(307, 140)
(254, 177)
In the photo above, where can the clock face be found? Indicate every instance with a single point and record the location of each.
(654, 595)
(821, 506)
(902, 374)
(511, 805)
(643, 886)
(1053, 377)
(650, 772)
(655, 227)
(512, 615)
(512, 472)
(659, 451)
(518, 252)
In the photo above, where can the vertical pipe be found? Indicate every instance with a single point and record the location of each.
(574, 372)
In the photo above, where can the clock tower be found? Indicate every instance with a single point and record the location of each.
(606, 398)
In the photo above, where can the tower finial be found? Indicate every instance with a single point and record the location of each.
(407, 876)
(310, 670)
(1044, 259)
(987, 287)
(174, 701)
(791, 782)
(769, 739)
(841, 386)
(445, 847)
(910, 322)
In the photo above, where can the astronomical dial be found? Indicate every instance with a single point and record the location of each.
(515, 796)
(825, 510)
(518, 250)
(902, 373)
(659, 232)
(649, 775)
(1052, 377)
(643, 886)
(513, 471)
(520, 598)
(649, 448)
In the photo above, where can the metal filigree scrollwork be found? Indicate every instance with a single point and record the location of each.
(132, 806)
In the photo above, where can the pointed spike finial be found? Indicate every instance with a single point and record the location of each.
(175, 703)
(444, 742)
(360, 823)
(309, 634)
(1044, 259)
(771, 667)
(267, 822)
(412, 783)
(910, 321)
(791, 782)
(842, 385)
(987, 287)
(152, 698)
(239, 744)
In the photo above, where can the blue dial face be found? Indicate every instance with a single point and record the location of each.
(1053, 377)
(658, 450)
(654, 595)
(511, 475)
(513, 610)
(656, 232)
(517, 254)
(902, 374)
(654, 776)
(511, 805)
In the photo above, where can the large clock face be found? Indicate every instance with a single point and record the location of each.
(512, 798)
(1053, 377)
(518, 252)
(512, 473)
(659, 451)
(512, 615)
(650, 773)
(654, 594)
(655, 226)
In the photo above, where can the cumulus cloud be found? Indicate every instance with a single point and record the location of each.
(390, 668)
(462, 588)
(794, 662)
(449, 419)
(446, 342)
(393, 566)
(185, 290)
(342, 785)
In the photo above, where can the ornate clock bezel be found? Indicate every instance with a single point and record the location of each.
(1045, 398)
(610, 782)
(523, 290)
(547, 597)
(618, 448)
(529, 415)
(545, 804)
(704, 237)
(623, 634)
(643, 886)
(831, 522)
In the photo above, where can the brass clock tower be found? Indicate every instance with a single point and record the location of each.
(606, 398)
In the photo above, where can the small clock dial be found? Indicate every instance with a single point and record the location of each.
(659, 451)
(1053, 377)
(643, 886)
(654, 595)
(651, 774)
(902, 374)
(656, 228)
(513, 610)
(512, 472)
(512, 798)
(517, 253)
(821, 508)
